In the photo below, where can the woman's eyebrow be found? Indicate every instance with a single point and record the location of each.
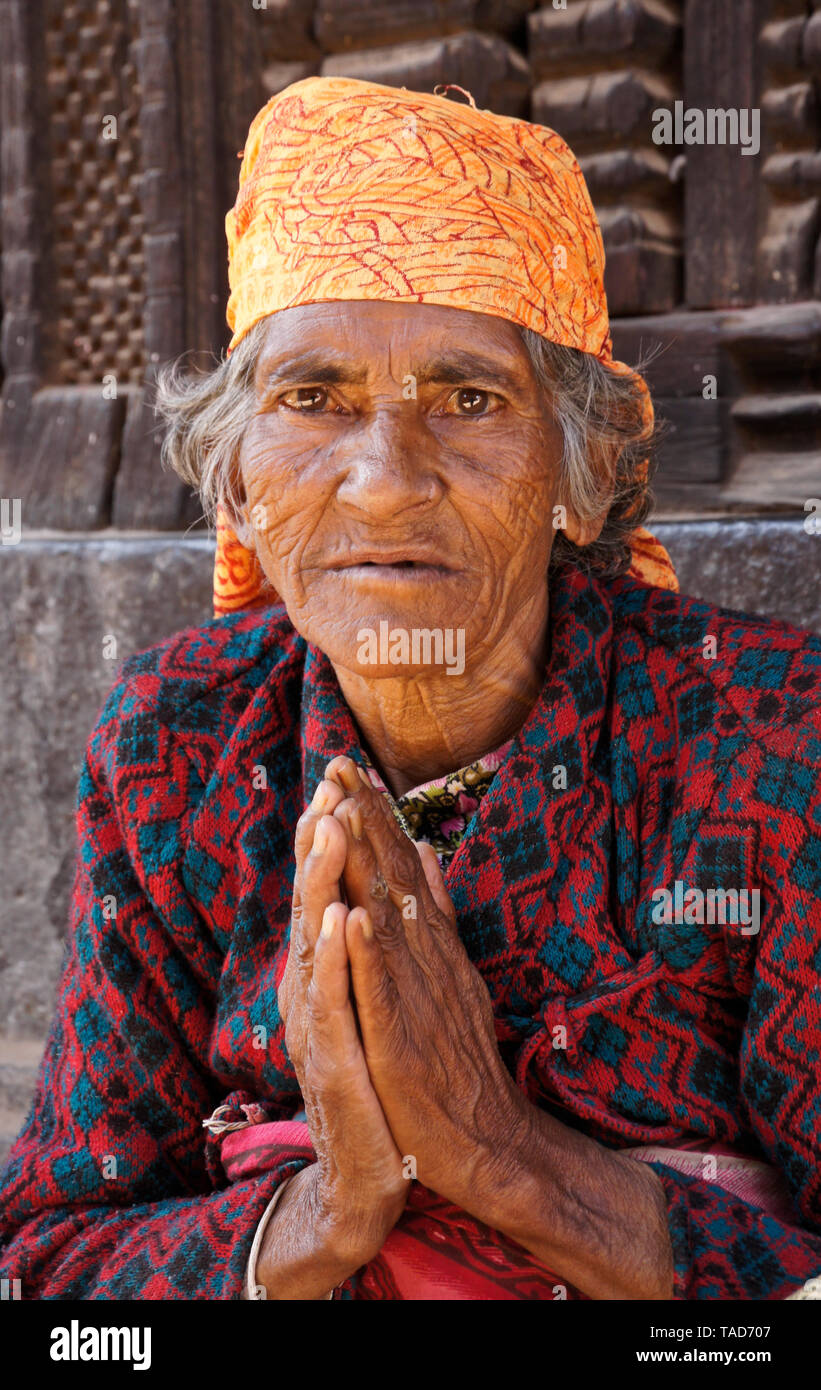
(458, 367)
(316, 366)
(454, 368)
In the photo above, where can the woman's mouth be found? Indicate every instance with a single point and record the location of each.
(394, 571)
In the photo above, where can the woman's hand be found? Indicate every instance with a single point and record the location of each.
(596, 1217)
(424, 1011)
(356, 1191)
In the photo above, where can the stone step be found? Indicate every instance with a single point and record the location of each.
(11, 1122)
(19, 1064)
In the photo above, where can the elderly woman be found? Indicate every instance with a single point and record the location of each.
(525, 1003)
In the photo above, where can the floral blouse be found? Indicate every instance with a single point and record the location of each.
(439, 811)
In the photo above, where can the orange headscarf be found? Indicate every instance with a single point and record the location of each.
(353, 190)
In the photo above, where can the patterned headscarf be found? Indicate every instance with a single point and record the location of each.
(352, 190)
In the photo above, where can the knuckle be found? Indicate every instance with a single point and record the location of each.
(402, 873)
(303, 953)
(383, 994)
(389, 930)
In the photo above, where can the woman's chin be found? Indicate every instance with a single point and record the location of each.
(383, 643)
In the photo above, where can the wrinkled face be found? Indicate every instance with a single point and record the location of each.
(401, 466)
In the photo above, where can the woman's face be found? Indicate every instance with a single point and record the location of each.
(401, 466)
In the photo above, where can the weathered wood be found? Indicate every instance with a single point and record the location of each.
(721, 189)
(798, 170)
(277, 76)
(343, 26)
(237, 95)
(788, 264)
(811, 41)
(604, 68)
(160, 122)
(774, 477)
(187, 129)
(282, 29)
(613, 104)
(797, 411)
(92, 94)
(780, 41)
(642, 270)
(70, 447)
(692, 442)
(787, 250)
(28, 280)
(145, 497)
(503, 16)
(195, 49)
(684, 349)
(484, 64)
(793, 108)
(561, 39)
(787, 336)
(622, 172)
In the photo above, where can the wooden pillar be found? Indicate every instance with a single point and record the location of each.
(721, 71)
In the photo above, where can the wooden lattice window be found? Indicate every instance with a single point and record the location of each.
(98, 222)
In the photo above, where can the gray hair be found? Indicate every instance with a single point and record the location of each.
(606, 440)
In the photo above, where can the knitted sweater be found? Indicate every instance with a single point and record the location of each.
(646, 761)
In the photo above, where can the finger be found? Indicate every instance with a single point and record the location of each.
(356, 783)
(336, 1057)
(375, 991)
(344, 772)
(330, 980)
(435, 879)
(319, 886)
(325, 799)
(419, 896)
(387, 886)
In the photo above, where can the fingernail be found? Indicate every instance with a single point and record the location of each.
(348, 775)
(363, 775)
(327, 927)
(367, 926)
(355, 822)
(320, 839)
(320, 799)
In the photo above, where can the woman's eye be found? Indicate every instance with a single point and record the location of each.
(306, 399)
(469, 400)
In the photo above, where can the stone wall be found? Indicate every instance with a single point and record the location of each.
(67, 597)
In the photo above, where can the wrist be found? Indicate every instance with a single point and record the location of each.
(582, 1209)
(294, 1260)
(350, 1230)
(511, 1170)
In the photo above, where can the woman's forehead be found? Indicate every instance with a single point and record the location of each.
(368, 329)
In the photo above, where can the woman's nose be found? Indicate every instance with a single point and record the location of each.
(391, 464)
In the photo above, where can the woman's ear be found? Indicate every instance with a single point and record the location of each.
(583, 532)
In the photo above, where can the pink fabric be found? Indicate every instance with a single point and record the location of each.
(748, 1178)
(438, 1251)
(435, 1251)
